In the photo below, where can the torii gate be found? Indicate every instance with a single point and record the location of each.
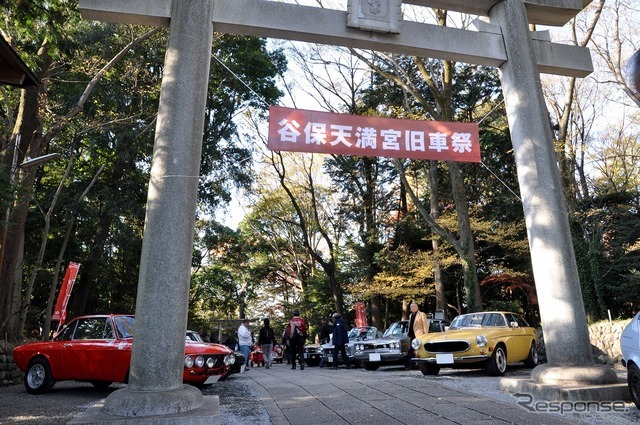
(155, 384)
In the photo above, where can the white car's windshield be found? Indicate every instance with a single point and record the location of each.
(362, 333)
(397, 329)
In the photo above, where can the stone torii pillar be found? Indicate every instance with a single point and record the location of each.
(562, 312)
(155, 384)
(155, 393)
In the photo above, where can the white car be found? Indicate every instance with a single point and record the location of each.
(630, 345)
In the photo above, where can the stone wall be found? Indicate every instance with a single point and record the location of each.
(9, 373)
(605, 340)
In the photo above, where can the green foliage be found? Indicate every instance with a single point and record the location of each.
(606, 231)
(500, 305)
(115, 130)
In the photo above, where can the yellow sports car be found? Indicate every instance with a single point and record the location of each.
(490, 339)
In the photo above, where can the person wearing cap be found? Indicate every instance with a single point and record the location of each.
(340, 338)
(296, 332)
(245, 341)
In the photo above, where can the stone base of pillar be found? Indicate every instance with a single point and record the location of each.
(574, 375)
(570, 383)
(208, 412)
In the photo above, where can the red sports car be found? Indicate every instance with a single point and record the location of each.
(97, 349)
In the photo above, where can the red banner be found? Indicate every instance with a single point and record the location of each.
(361, 314)
(298, 130)
(60, 312)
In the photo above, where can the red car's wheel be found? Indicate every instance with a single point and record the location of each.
(101, 385)
(38, 379)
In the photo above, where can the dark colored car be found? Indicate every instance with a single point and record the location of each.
(236, 367)
(97, 349)
(312, 354)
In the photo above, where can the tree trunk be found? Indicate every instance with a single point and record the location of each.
(441, 296)
(471, 283)
(28, 126)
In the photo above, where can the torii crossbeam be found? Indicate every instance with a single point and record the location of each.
(155, 387)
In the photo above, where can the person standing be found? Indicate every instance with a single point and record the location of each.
(325, 331)
(266, 340)
(340, 338)
(296, 331)
(245, 341)
(325, 336)
(418, 325)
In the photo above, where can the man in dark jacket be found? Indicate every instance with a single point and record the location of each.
(340, 338)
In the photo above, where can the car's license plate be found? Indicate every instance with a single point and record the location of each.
(374, 357)
(212, 379)
(330, 359)
(444, 358)
(306, 355)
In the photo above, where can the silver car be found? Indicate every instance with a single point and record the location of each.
(356, 334)
(392, 348)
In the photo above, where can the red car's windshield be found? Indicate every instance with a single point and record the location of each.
(124, 326)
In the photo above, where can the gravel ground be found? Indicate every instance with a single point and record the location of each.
(477, 382)
(239, 403)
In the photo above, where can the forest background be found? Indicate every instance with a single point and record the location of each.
(315, 233)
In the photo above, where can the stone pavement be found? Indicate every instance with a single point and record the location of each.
(386, 397)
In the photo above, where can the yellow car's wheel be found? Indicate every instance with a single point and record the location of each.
(497, 364)
(532, 360)
(428, 368)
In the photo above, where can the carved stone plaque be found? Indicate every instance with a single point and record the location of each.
(375, 15)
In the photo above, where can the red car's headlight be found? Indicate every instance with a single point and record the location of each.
(199, 361)
(188, 362)
(211, 362)
(229, 359)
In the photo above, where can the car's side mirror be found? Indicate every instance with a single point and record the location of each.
(514, 324)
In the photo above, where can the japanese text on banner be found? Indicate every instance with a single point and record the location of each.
(322, 132)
